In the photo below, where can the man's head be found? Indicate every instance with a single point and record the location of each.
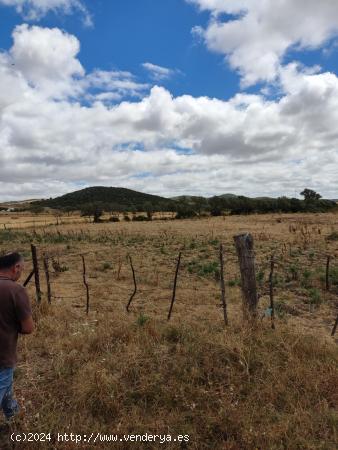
(11, 265)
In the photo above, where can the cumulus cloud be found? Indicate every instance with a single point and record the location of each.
(158, 73)
(36, 9)
(64, 129)
(46, 58)
(257, 34)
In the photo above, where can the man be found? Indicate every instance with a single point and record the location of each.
(15, 317)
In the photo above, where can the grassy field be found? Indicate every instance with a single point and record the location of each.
(239, 387)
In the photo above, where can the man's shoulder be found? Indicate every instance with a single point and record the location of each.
(12, 287)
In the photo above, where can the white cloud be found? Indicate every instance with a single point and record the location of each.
(118, 84)
(46, 58)
(36, 9)
(53, 141)
(260, 33)
(158, 73)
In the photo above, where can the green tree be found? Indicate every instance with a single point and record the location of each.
(310, 195)
(92, 210)
(149, 209)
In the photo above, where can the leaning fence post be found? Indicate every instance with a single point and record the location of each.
(175, 284)
(246, 257)
(36, 273)
(85, 282)
(224, 305)
(46, 268)
(334, 327)
(327, 275)
(28, 279)
(135, 284)
(272, 303)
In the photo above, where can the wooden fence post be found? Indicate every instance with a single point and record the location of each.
(334, 327)
(85, 283)
(36, 273)
(327, 275)
(46, 268)
(272, 303)
(224, 305)
(175, 284)
(135, 284)
(28, 279)
(246, 257)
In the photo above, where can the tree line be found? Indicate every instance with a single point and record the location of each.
(184, 207)
(218, 206)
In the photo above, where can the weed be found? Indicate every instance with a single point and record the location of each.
(142, 319)
(106, 266)
(193, 245)
(204, 269)
(233, 283)
(260, 277)
(280, 311)
(214, 242)
(306, 277)
(293, 272)
(334, 276)
(163, 250)
(314, 297)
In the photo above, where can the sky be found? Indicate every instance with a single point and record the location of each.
(168, 97)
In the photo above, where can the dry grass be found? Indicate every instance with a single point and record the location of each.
(235, 388)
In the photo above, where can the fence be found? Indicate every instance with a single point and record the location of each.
(279, 263)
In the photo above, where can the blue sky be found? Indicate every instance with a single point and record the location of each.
(169, 97)
(127, 33)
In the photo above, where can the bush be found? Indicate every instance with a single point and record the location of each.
(185, 212)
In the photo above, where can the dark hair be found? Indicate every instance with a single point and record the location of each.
(9, 260)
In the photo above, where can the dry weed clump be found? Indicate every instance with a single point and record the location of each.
(237, 388)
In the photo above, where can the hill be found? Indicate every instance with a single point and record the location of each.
(111, 198)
